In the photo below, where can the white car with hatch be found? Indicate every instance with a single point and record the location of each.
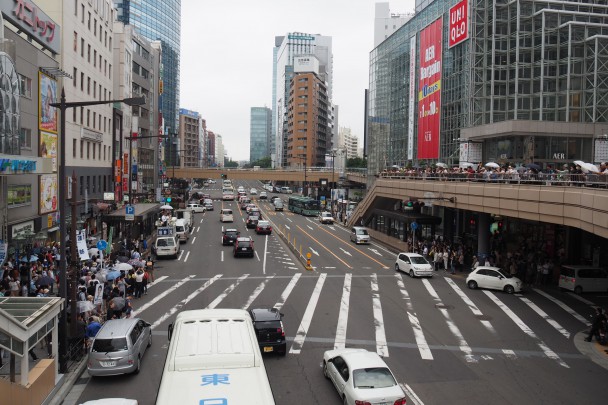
(197, 207)
(493, 278)
(358, 234)
(362, 377)
(325, 217)
(253, 191)
(226, 215)
(414, 265)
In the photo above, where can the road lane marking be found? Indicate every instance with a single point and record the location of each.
(298, 340)
(162, 295)
(183, 302)
(423, 347)
(517, 320)
(381, 345)
(198, 229)
(313, 251)
(375, 251)
(222, 255)
(471, 305)
(353, 247)
(193, 239)
(462, 343)
(201, 221)
(345, 252)
(343, 317)
(181, 252)
(546, 317)
(265, 253)
(563, 306)
(324, 247)
(410, 393)
(257, 292)
(289, 219)
(157, 280)
(510, 354)
(287, 291)
(309, 227)
(256, 255)
(581, 299)
(227, 291)
(186, 258)
(287, 226)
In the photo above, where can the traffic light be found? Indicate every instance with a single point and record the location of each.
(168, 199)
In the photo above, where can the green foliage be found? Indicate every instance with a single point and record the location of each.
(356, 162)
(231, 164)
(264, 163)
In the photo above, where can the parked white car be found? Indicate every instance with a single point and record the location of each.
(361, 377)
(493, 278)
(413, 264)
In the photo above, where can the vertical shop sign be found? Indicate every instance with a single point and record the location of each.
(429, 90)
(459, 23)
(412, 100)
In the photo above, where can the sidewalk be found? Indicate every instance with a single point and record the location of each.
(595, 351)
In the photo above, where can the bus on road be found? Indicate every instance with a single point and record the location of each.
(304, 205)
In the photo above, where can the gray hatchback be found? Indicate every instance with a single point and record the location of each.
(119, 346)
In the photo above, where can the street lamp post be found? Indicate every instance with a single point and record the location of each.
(63, 105)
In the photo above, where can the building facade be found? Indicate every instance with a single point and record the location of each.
(219, 151)
(526, 85)
(286, 49)
(211, 149)
(386, 23)
(189, 136)
(351, 145)
(260, 133)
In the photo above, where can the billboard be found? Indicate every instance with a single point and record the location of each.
(48, 147)
(47, 115)
(429, 90)
(412, 100)
(48, 193)
(459, 23)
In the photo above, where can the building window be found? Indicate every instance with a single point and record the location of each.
(81, 115)
(94, 178)
(81, 185)
(82, 47)
(104, 178)
(94, 88)
(88, 117)
(82, 13)
(89, 53)
(104, 157)
(76, 7)
(88, 85)
(95, 27)
(75, 41)
(25, 138)
(110, 74)
(25, 86)
(74, 146)
(19, 195)
(81, 153)
(94, 118)
(89, 21)
(74, 115)
(88, 151)
(95, 58)
(94, 159)
(82, 81)
(74, 79)
(88, 182)
(105, 35)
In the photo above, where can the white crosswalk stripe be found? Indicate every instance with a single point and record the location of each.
(563, 306)
(298, 341)
(340, 342)
(470, 304)
(546, 317)
(256, 292)
(381, 345)
(227, 291)
(423, 347)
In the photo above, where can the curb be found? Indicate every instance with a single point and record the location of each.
(593, 350)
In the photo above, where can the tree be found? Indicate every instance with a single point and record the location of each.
(356, 162)
(264, 163)
(231, 163)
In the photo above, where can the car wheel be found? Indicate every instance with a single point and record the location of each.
(325, 370)
(412, 273)
(138, 368)
(397, 267)
(150, 340)
(509, 289)
(578, 289)
(472, 284)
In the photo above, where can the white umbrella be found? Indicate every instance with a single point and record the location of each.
(93, 251)
(492, 164)
(579, 162)
(123, 266)
(166, 207)
(589, 167)
(439, 164)
(467, 164)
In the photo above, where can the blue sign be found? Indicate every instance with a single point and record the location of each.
(414, 225)
(164, 231)
(130, 210)
(322, 198)
(102, 245)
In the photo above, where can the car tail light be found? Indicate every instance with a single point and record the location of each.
(270, 228)
(400, 401)
(281, 331)
(357, 402)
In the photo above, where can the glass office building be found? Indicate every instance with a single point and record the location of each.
(528, 85)
(260, 133)
(159, 20)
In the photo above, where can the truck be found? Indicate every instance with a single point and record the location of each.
(187, 215)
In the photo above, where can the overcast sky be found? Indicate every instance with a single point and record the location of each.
(226, 57)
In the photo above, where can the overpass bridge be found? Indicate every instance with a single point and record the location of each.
(311, 174)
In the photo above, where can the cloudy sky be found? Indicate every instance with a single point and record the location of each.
(226, 57)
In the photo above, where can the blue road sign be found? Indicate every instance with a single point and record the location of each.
(102, 245)
(414, 225)
(129, 213)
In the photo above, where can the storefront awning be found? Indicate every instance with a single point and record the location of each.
(141, 211)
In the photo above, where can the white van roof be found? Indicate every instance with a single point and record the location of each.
(180, 222)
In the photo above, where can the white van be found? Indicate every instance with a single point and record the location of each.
(286, 190)
(583, 279)
(166, 246)
(182, 230)
(226, 215)
(278, 204)
(214, 358)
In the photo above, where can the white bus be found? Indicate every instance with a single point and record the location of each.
(214, 358)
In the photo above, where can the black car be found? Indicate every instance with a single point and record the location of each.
(243, 246)
(229, 236)
(268, 325)
(252, 221)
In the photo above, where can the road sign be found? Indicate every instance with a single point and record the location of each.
(164, 231)
(129, 213)
(102, 245)
(414, 225)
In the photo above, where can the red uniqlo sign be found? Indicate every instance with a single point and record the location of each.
(429, 90)
(459, 23)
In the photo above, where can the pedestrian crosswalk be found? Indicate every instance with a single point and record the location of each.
(439, 313)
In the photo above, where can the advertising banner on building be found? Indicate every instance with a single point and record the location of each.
(459, 23)
(47, 115)
(48, 147)
(429, 90)
(48, 193)
(412, 100)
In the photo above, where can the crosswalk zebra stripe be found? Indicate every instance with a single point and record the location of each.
(510, 354)
(287, 291)
(423, 347)
(298, 341)
(257, 292)
(227, 291)
(162, 295)
(183, 302)
(563, 306)
(471, 305)
(548, 352)
(581, 299)
(381, 346)
(464, 346)
(340, 342)
(157, 280)
(546, 317)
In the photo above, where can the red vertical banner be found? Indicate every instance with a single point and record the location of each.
(459, 23)
(429, 94)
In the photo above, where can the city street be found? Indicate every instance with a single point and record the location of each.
(444, 342)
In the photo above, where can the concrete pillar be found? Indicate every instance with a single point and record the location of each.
(55, 347)
(448, 224)
(25, 360)
(483, 234)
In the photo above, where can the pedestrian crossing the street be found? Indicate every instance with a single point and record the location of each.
(437, 313)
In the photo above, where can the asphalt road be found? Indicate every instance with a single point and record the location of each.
(443, 342)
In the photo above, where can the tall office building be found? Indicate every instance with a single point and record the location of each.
(286, 49)
(219, 151)
(189, 138)
(386, 23)
(160, 20)
(211, 149)
(260, 133)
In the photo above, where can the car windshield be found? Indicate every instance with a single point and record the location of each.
(263, 223)
(110, 345)
(179, 228)
(165, 242)
(418, 260)
(361, 231)
(253, 218)
(267, 325)
(231, 233)
(376, 377)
